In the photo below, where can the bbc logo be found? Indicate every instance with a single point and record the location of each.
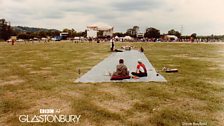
(46, 111)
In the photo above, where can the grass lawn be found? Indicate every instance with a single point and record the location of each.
(40, 75)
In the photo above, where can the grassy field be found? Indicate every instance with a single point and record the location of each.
(40, 75)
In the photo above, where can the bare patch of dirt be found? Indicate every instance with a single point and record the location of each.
(218, 61)
(58, 64)
(76, 61)
(112, 123)
(221, 51)
(213, 68)
(217, 82)
(116, 106)
(50, 103)
(1, 81)
(25, 65)
(32, 51)
(181, 55)
(85, 122)
(4, 70)
(116, 91)
(186, 56)
(221, 66)
(12, 77)
(173, 65)
(9, 95)
(220, 118)
(55, 103)
(94, 57)
(4, 119)
(41, 72)
(190, 104)
(77, 94)
(30, 61)
(12, 82)
(139, 118)
(45, 68)
(119, 102)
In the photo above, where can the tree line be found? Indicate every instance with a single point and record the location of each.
(47, 33)
(152, 32)
(6, 31)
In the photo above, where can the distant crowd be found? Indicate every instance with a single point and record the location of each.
(98, 40)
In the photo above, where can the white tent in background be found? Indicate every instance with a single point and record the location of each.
(171, 37)
(116, 37)
(94, 28)
(127, 38)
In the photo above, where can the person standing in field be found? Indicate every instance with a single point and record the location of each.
(13, 41)
(112, 45)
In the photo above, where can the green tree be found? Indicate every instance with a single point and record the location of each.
(82, 34)
(194, 35)
(23, 36)
(152, 33)
(119, 34)
(5, 29)
(71, 32)
(133, 31)
(129, 32)
(173, 32)
(42, 34)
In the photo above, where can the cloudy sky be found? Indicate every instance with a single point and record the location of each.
(204, 17)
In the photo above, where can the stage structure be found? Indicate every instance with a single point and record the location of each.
(94, 28)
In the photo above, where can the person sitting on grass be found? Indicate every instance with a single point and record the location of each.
(121, 72)
(141, 70)
(141, 50)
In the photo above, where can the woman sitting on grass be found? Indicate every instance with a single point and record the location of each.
(141, 70)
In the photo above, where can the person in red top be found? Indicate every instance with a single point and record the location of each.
(141, 70)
